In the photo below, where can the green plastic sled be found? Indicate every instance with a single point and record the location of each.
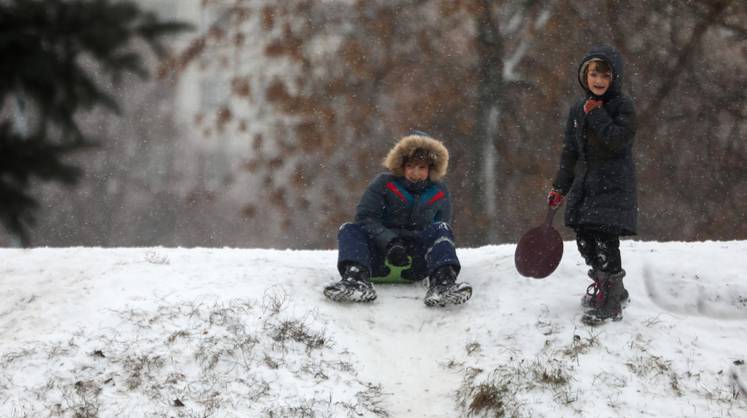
(394, 276)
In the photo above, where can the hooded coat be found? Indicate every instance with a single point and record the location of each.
(596, 171)
(393, 207)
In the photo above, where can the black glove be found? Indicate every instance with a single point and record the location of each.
(396, 253)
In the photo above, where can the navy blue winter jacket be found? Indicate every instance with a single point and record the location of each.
(392, 207)
(597, 170)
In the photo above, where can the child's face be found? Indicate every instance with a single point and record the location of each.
(598, 81)
(416, 171)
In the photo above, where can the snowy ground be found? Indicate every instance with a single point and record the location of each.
(224, 332)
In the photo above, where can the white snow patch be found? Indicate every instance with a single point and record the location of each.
(232, 332)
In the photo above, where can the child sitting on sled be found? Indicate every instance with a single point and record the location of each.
(403, 219)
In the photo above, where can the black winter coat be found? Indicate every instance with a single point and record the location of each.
(597, 172)
(392, 207)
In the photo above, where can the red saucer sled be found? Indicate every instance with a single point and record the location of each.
(539, 251)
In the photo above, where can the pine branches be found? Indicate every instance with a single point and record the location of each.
(53, 54)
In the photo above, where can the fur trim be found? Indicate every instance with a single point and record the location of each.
(406, 147)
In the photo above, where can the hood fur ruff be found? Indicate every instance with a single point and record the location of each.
(406, 147)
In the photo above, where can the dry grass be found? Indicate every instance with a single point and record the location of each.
(193, 360)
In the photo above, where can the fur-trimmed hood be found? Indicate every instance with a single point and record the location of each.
(406, 147)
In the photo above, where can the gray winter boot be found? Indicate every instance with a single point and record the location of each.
(443, 288)
(594, 298)
(354, 286)
(611, 288)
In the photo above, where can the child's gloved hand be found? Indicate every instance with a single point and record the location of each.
(555, 198)
(396, 253)
(591, 104)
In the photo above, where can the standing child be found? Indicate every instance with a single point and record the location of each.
(598, 175)
(403, 218)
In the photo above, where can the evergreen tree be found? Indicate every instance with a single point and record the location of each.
(51, 52)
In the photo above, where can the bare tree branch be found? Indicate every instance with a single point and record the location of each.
(680, 65)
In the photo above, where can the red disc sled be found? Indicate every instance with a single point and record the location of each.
(539, 251)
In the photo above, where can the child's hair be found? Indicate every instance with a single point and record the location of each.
(597, 64)
(421, 155)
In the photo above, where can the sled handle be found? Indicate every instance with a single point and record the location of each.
(550, 216)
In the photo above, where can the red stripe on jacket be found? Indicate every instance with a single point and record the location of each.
(438, 196)
(396, 191)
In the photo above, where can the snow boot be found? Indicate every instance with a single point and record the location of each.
(443, 288)
(611, 288)
(594, 298)
(355, 286)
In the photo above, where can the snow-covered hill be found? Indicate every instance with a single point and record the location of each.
(226, 332)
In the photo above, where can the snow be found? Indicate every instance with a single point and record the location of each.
(246, 332)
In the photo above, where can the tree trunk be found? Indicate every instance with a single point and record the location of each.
(490, 88)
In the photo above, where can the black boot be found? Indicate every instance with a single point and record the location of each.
(355, 286)
(594, 298)
(611, 288)
(443, 288)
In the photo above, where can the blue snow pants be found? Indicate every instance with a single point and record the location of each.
(431, 248)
